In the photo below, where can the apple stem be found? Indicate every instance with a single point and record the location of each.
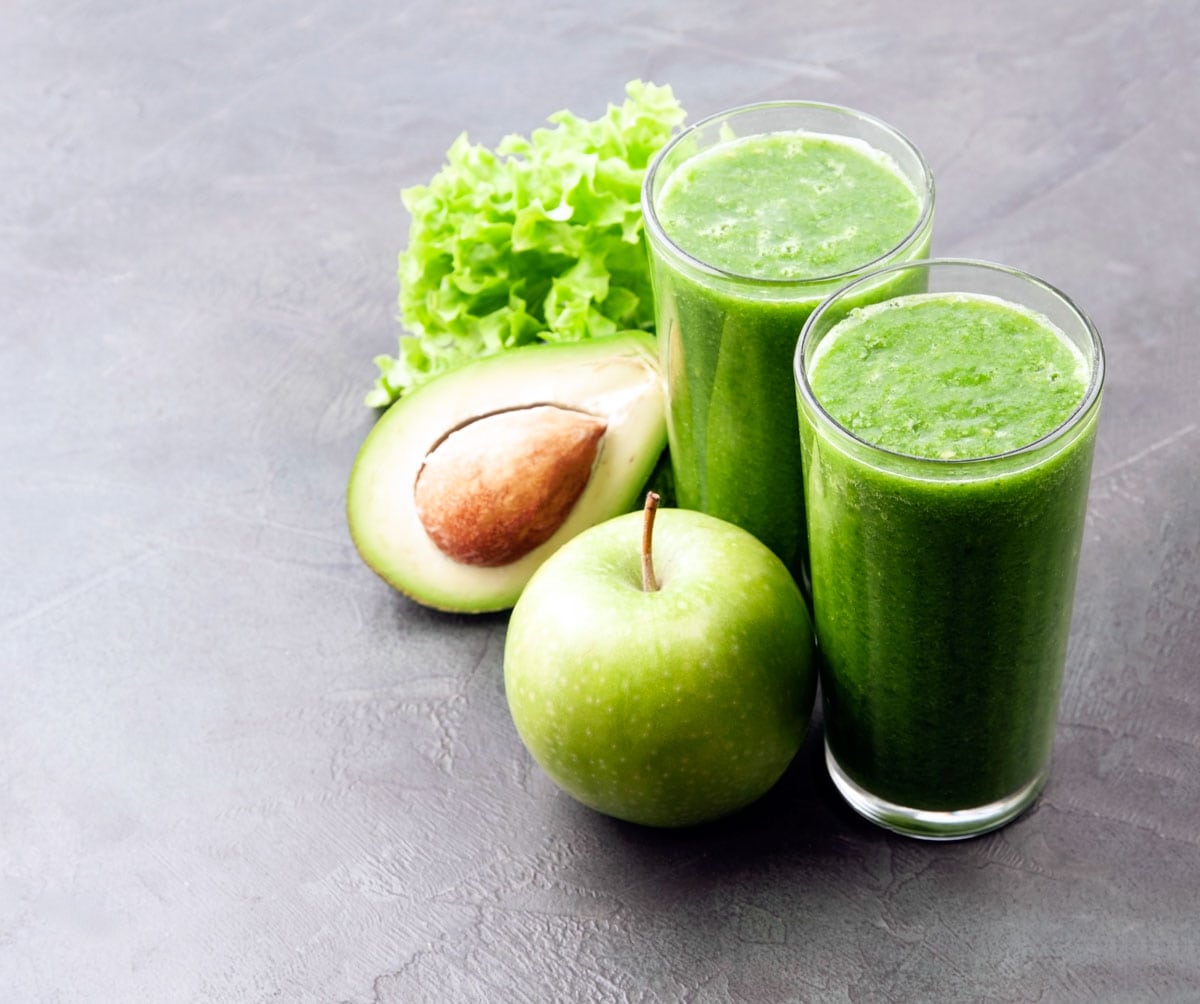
(649, 582)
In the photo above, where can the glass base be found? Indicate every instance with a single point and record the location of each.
(928, 824)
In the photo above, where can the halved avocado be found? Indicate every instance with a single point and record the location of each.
(465, 486)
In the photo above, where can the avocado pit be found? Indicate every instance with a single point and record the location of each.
(501, 484)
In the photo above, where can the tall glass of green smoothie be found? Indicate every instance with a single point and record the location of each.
(947, 442)
(754, 216)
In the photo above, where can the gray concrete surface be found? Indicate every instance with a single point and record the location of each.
(234, 766)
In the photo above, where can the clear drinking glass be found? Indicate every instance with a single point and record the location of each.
(727, 335)
(942, 588)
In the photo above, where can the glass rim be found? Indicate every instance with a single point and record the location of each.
(656, 231)
(1085, 406)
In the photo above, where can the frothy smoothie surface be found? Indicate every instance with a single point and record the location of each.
(948, 375)
(788, 205)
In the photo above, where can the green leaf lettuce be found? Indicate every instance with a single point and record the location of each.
(540, 239)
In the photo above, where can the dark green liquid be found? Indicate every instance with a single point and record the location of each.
(787, 207)
(943, 601)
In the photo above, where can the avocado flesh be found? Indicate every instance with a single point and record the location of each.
(615, 378)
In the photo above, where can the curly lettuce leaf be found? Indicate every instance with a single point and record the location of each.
(538, 240)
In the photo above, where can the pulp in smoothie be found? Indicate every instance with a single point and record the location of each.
(948, 376)
(788, 205)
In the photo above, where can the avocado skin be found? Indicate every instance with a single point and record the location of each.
(615, 377)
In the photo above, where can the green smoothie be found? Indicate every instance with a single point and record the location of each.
(788, 205)
(747, 235)
(948, 376)
(946, 504)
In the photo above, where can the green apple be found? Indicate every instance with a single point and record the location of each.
(664, 683)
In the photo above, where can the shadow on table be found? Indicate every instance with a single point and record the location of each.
(801, 816)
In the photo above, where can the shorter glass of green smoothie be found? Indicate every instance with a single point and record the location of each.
(753, 216)
(947, 443)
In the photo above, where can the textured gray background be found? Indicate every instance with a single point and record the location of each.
(235, 767)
